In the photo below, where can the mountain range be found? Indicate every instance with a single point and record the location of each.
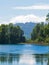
(27, 28)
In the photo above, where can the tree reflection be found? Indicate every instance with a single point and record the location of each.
(9, 58)
(41, 58)
(48, 60)
(37, 59)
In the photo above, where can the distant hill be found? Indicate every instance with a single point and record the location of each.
(27, 28)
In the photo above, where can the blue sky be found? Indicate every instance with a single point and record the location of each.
(17, 11)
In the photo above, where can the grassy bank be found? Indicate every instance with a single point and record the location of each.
(36, 42)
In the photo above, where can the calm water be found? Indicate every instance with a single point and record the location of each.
(24, 55)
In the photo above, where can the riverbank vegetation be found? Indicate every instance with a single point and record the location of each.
(40, 32)
(10, 34)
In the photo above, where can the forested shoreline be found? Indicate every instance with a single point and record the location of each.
(10, 34)
(40, 32)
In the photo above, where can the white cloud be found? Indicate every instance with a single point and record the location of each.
(27, 18)
(24, 19)
(42, 7)
(4, 22)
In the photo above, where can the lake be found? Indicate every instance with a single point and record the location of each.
(24, 54)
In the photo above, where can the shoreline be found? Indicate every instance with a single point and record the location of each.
(37, 43)
(28, 44)
(33, 42)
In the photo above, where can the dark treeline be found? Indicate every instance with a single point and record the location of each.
(40, 32)
(10, 34)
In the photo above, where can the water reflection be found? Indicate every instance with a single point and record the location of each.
(24, 59)
(27, 59)
(24, 49)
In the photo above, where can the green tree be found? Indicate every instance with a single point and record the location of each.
(10, 34)
(47, 17)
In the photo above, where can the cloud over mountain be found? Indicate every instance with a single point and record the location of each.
(24, 19)
(27, 18)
